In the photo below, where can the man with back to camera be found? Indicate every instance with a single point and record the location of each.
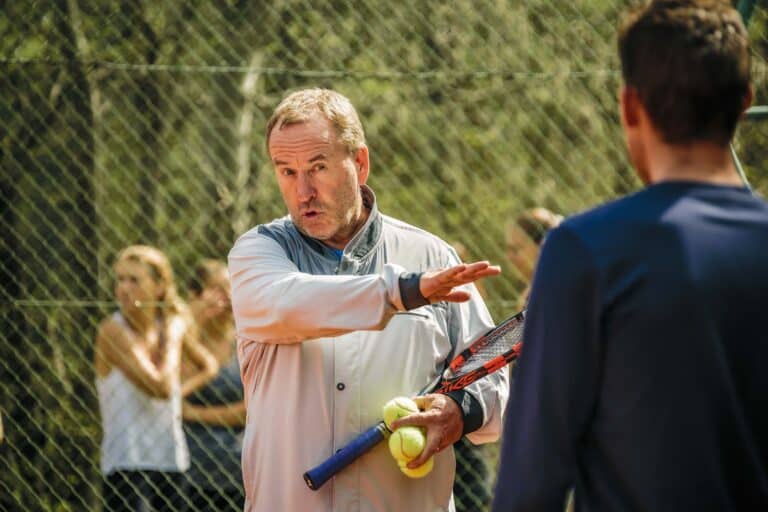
(641, 381)
(337, 313)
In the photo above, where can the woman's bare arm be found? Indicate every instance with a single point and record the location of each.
(120, 350)
(202, 358)
(226, 415)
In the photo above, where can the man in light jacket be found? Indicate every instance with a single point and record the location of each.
(337, 311)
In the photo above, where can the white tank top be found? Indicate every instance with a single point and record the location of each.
(141, 432)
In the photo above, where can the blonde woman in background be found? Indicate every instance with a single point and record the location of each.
(214, 415)
(137, 363)
(524, 238)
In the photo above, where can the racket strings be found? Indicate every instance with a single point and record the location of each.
(495, 344)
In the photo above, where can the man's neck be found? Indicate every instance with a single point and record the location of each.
(698, 162)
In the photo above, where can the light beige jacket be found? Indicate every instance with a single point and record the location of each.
(323, 344)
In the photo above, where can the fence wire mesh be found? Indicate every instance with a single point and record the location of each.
(142, 122)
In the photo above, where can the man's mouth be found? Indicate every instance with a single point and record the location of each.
(310, 214)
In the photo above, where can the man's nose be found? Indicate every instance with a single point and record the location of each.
(305, 190)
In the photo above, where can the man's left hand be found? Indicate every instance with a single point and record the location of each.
(443, 420)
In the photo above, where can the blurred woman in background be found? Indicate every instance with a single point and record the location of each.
(214, 416)
(523, 241)
(138, 380)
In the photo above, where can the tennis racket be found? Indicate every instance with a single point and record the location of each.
(758, 113)
(490, 352)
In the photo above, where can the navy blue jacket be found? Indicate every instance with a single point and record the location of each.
(643, 380)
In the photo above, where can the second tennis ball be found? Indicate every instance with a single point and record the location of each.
(420, 471)
(407, 443)
(398, 408)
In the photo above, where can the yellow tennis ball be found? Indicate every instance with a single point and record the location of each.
(420, 471)
(407, 443)
(398, 408)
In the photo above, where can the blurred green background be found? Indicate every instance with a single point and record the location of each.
(142, 122)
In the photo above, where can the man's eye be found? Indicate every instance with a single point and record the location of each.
(320, 167)
(288, 172)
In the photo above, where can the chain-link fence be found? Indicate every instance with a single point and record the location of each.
(131, 122)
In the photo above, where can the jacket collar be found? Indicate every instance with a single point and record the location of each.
(368, 237)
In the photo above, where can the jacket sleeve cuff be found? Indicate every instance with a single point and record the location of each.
(410, 294)
(470, 408)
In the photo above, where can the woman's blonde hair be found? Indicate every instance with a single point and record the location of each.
(170, 303)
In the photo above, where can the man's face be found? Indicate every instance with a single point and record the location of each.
(319, 180)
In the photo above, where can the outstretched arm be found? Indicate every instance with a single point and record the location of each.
(227, 415)
(275, 303)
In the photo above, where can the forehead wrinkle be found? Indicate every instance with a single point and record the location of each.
(284, 152)
(302, 142)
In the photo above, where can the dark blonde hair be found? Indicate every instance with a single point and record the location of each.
(170, 304)
(301, 106)
(689, 62)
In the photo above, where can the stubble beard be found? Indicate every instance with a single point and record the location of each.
(339, 224)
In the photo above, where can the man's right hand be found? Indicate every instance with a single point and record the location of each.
(437, 286)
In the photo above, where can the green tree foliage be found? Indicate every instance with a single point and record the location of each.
(142, 122)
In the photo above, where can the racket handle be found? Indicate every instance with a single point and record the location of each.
(316, 477)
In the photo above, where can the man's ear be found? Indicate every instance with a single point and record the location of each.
(746, 101)
(363, 164)
(629, 101)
